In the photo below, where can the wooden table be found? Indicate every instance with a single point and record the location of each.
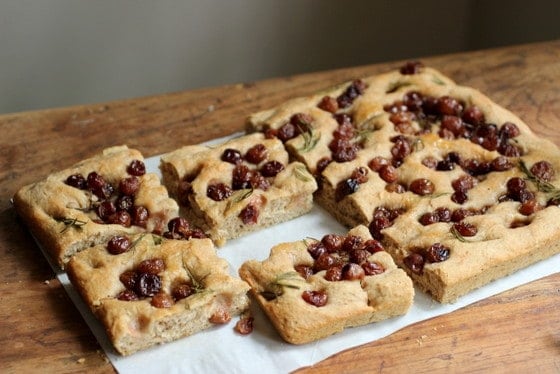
(517, 331)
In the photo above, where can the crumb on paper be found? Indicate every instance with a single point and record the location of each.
(81, 360)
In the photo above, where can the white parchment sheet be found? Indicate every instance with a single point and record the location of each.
(222, 350)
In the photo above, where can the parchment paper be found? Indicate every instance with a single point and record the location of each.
(222, 350)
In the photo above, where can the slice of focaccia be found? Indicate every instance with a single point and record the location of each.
(458, 189)
(147, 290)
(86, 204)
(240, 186)
(315, 288)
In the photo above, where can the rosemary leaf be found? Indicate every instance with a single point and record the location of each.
(237, 197)
(293, 286)
(302, 174)
(437, 80)
(458, 235)
(157, 239)
(290, 275)
(439, 194)
(71, 222)
(243, 195)
(395, 86)
(363, 135)
(305, 241)
(310, 140)
(134, 243)
(542, 186)
(276, 287)
(195, 282)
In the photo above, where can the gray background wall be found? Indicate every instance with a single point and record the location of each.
(65, 52)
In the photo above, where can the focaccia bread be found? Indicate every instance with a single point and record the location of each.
(458, 189)
(237, 187)
(156, 290)
(88, 203)
(335, 124)
(311, 289)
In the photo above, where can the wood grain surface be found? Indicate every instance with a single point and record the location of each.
(40, 329)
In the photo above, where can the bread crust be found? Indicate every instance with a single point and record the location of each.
(137, 325)
(350, 303)
(290, 193)
(500, 247)
(50, 206)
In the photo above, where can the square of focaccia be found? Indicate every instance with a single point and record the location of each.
(237, 187)
(335, 124)
(157, 290)
(311, 289)
(97, 198)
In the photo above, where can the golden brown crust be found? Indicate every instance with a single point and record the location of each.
(136, 325)
(366, 111)
(46, 205)
(350, 303)
(289, 194)
(497, 249)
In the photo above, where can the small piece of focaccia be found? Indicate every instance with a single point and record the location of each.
(239, 186)
(311, 289)
(157, 290)
(86, 204)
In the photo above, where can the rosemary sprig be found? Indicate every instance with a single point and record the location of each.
(276, 287)
(135, 243)
(306, 243)
(461, 238)
(458, 235)
(157, 240)
(439, 194)
(310, 139)
(395, 86)
(243, 194)
(302, 174)
(363, 135)
(542, 186)
(196, 284)
(284, 279)
(237, 197)
(71, 222)
(437, 80)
